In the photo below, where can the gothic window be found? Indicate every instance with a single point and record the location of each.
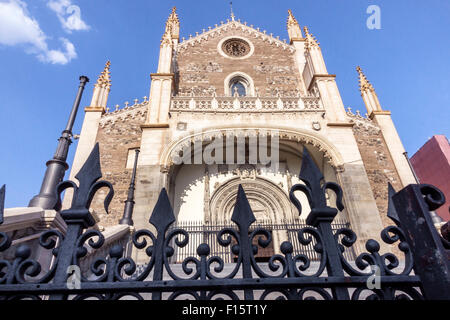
(238, 85)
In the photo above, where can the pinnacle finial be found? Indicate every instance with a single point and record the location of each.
(366, 89)
(291, 19)
(173, 24)
(167, 36)
(293, 28)
(311, 41)
(104, 79)
(364, 84)
(173, 17)
(231, 9)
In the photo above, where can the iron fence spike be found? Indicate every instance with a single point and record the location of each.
(162, 216)
(242, 214)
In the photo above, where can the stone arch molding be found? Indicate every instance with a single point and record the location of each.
(307, 137)
(267, 200)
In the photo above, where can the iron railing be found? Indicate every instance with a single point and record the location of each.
(424, 273)
(199, 232)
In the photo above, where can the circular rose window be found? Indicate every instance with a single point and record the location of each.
(236, 48)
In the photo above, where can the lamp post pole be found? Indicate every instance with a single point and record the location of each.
(129, 203)
(56, 167)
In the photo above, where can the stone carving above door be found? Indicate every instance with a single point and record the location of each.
(267, 200)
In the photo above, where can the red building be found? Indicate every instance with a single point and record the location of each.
(432, 165)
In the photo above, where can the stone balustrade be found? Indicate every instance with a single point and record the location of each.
(245, 104)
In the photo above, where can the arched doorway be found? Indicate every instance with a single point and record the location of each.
(269, 203)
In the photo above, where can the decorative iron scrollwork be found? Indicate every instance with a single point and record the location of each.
(204, 276)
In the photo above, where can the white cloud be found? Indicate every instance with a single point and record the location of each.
(68, 14)
(59, 57)
(17, 27)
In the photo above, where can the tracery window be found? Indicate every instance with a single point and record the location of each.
(236, 48)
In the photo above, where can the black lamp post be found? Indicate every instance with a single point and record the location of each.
(57, 166)
(129, 203)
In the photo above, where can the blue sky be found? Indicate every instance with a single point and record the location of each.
(46, 44)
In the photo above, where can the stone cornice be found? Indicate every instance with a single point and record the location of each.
(379, 113)
(154, 126)
(161, 75)
(320, 76)
(94, 109)
(237, 25)
(340, 124)
(297, 39)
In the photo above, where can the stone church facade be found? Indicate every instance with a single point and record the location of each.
(237, 82)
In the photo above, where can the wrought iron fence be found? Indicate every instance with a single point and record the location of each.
(286, 229)
(203, 276)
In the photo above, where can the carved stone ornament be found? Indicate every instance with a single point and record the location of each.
(236, 48)
(316, 125)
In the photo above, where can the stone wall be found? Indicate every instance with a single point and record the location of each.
(378, 163)
(118, 133)
(201, 68)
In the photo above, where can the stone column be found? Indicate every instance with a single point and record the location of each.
(150, 180)
(361, 208)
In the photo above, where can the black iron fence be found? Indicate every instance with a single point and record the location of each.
(290, 272)
(284, 230)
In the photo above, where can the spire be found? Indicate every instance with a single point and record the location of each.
(104, 79)
(231, 9)
(368, 93)
(294, 31)
(311, 41)
(291, 19)
(173, 24)
(167, 36)
(102, 87)
(364, 84)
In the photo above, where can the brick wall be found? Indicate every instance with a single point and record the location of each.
(202, 67)
(115, 138)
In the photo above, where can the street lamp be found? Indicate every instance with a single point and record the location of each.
(56, 167)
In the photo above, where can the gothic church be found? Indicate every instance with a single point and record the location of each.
(236, 81)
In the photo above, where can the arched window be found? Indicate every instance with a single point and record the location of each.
(239, 86)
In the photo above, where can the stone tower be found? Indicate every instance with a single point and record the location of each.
(232, 83)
